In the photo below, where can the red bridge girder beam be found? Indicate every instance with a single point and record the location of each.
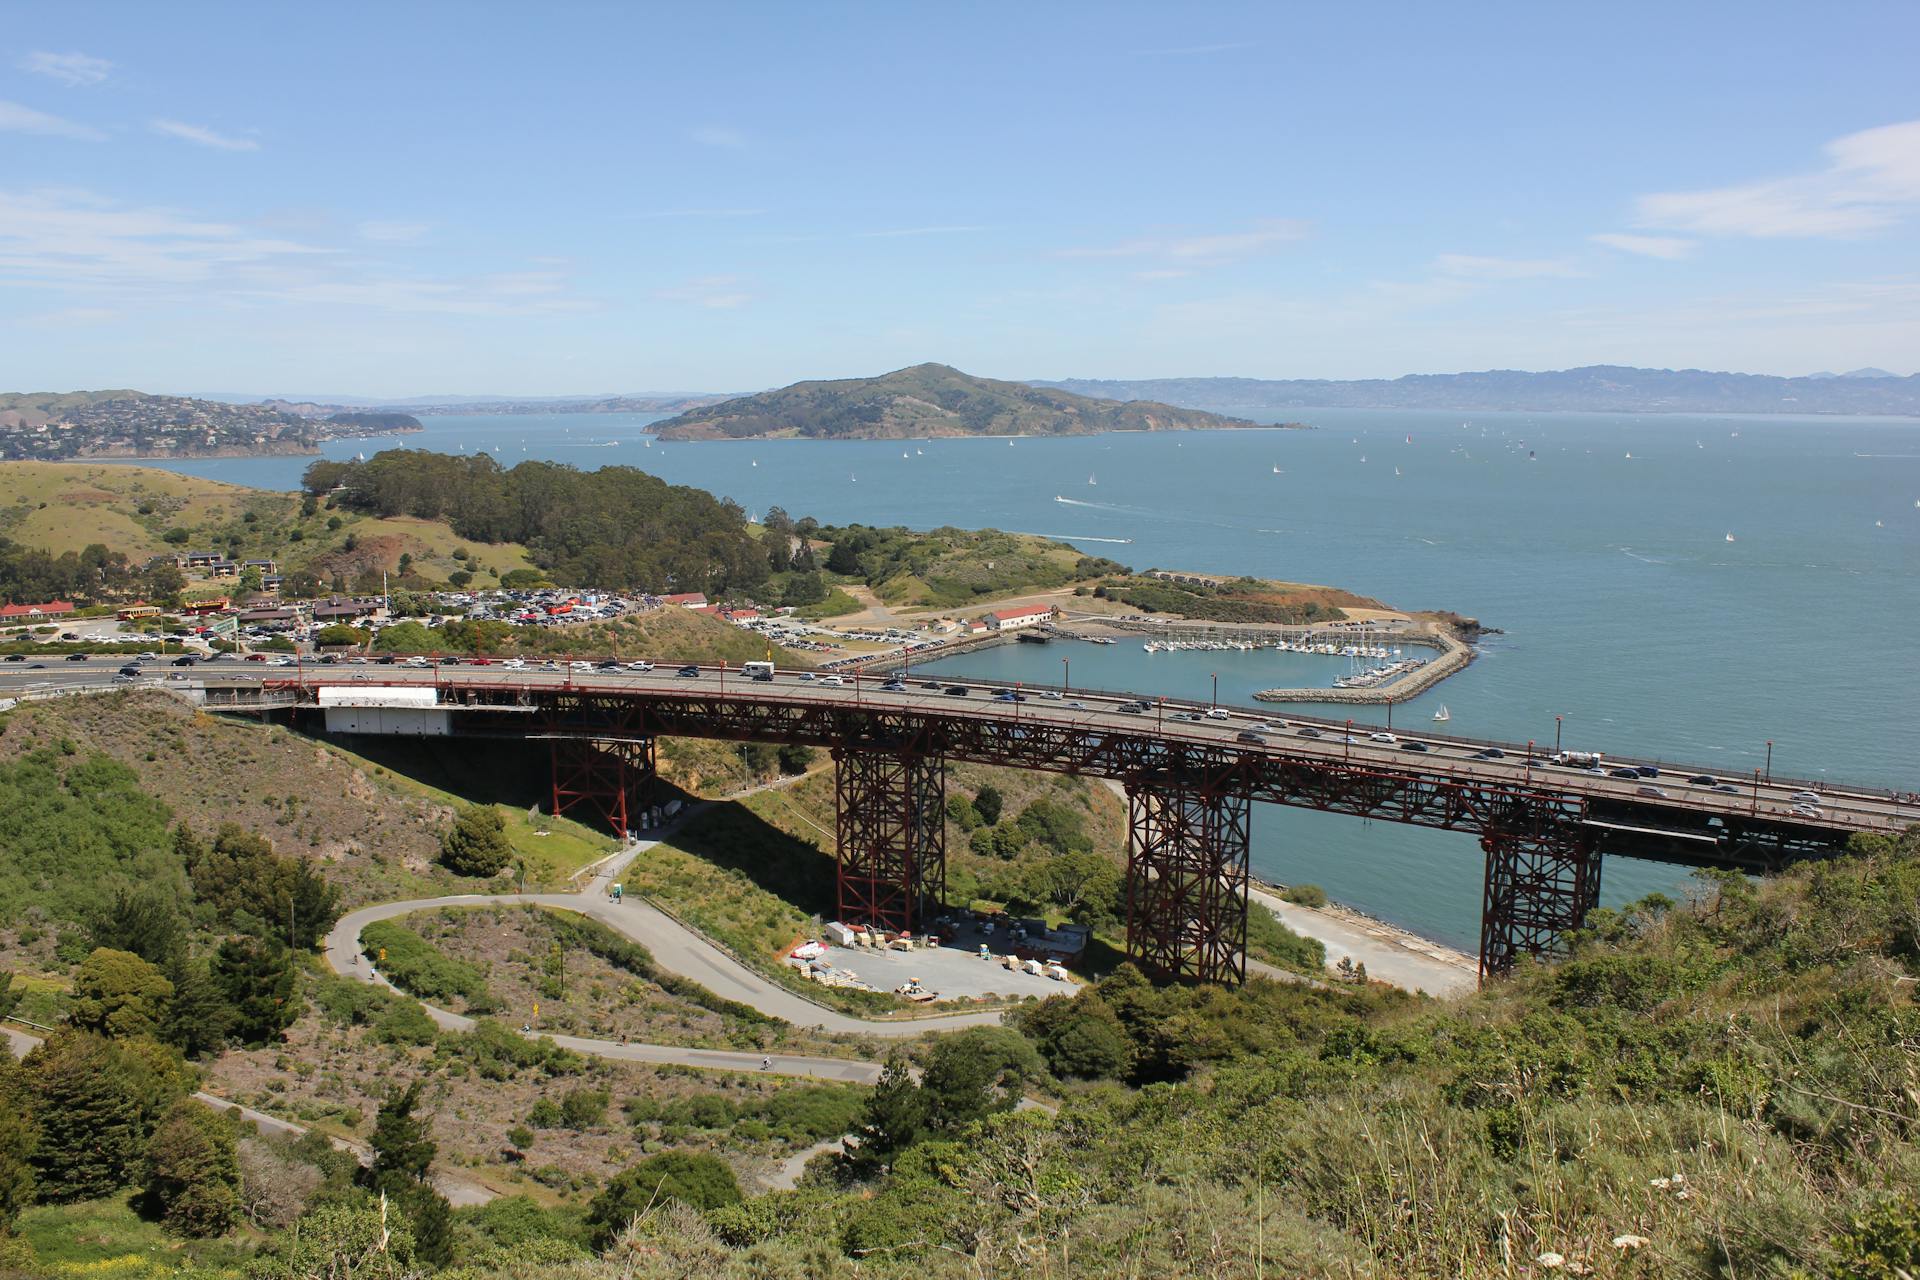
(890, 836)
(1187, 877)
(611, 778)
(1543, 877)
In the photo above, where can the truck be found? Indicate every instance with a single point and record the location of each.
(757, 670)
(1578, 759)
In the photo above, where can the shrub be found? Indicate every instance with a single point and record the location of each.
(419, 968)
(476, 844)
(1305, 895)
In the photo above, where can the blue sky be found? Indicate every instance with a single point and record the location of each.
(402, 199)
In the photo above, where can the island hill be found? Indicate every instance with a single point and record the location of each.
(924, 401)
(57, 426)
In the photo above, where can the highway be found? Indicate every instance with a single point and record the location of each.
(1294, 738)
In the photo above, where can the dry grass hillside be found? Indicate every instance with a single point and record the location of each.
(63, 506)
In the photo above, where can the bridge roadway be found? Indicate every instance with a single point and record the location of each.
(1545, 827)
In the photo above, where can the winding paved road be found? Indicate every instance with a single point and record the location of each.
(677, 949)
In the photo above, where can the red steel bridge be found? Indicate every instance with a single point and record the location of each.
(1191, 774)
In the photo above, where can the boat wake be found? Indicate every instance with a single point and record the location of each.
(1078, 537)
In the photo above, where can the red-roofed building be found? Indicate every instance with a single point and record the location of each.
(51, 609)
(687, 599)
(1030, 615)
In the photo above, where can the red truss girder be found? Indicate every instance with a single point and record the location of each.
(1543, 877)
(1187, 877)
(604, 762)
(890, 837)
(1541, 880)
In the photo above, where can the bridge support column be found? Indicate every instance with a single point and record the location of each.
(1542, 879)
(890, 810)
(610, 777)
(1187, 880)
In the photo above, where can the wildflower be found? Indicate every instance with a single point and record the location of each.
(1660, 1184)
(1551, 1261)
(1679, 1178)
(1629, 1242)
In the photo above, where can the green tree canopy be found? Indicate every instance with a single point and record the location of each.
(89, 1115)
(695, 1178)
(476, 844)
(117, 994)
(193, 1173)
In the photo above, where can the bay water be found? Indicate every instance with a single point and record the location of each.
(1683, 587)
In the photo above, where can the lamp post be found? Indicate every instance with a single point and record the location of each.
(1066, 675)
(1769, 759)
(1556, 735)
(1529, 768)
(1346, 743)
(1216, 689)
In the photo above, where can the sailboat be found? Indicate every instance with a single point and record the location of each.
(903, 453)
(754, 463)
(1277, 471)
(1443, 715)
(1729, 537)
(1091, 480)
(1396, 471)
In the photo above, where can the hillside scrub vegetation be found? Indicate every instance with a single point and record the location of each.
(952, 568)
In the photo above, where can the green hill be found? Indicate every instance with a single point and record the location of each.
(926, 400)
(51, 425)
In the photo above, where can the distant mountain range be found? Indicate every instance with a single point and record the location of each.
(427, 406)
(133, 424)
(926, 400)
(1596, 388)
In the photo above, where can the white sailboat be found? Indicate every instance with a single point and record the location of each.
(1277, 471)
(1729, 537)
(1443, 714)
(1091, 480)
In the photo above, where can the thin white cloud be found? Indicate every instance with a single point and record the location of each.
(91, 252)
(1162, 273)
(1872, 180)
(15, 118)
(1215, 249)
(714, 135)
(715, 293)
(385, 232)
(200, 135)
(1466, 266)
(75, 69)
(1670, 248)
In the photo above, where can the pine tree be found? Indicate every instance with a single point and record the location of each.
(199, 1018)
(895, 1117)
(402, 1149)
(89, 1118)
(193, 1172)
(477, 844)
(18, 1136)
(256, 979)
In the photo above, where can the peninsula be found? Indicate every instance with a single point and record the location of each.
(55, 426)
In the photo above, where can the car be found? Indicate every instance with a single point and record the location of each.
(931, 684)
(1805, 797)
(1133, 708)
(481, 662)
(1382, 737)
(515, 664)
(808, 676)
(1652, 793)
(1309, 732)
(261, 657)
(1184, 716)
(832, 681)
(1077, 706)
(580, 666)
(417, 660)
(38, 666)
(1629, 774)
(1721, 786)
(385, 660)
(1051, 695)
(131, 669)
(1415, 746)
(78, 657)
(148, 656)
(1489, 753)
(690, 670)
(891, 686)
(1646, 771)
(187, 660)
(1349, 739)
(280, 662)
(1219, 713)
(639, 666)
(1805, 811)
(957, 691)
(16, 657)
(1703, 780)
(762, 677)
(1250, 737)
(609, 665)
(127, 674)
(1009, 695)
